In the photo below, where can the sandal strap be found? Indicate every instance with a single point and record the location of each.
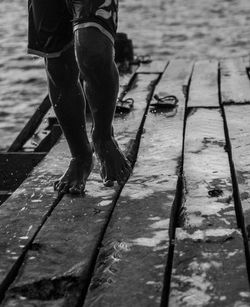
(168, 98)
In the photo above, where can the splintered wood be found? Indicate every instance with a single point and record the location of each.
(154, 241)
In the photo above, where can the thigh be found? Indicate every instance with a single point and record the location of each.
(63, 70)
(50, 26)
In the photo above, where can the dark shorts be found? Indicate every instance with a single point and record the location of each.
(52, 23)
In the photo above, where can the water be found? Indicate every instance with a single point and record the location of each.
(192, 29)
(22, 79)
(188, 28)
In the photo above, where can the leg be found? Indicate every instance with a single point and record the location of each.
(94, 52)
(69, 105)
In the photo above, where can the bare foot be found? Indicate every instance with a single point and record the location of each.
(73, 181)
(114, 165)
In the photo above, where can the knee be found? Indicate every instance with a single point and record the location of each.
(95, 53)
(60, 73)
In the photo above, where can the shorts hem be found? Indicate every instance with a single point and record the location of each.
(95, 25)
(49, 54)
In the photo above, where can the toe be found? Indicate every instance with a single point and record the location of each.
(60, 186)
(55, 185)
(128, 166)
(75, 189)
(126, 172)
(123, 175)
(107, 175)
(63, 187)
(110, 178)
(82, 189)
(120, 178)
(120, 181)
(107, 181)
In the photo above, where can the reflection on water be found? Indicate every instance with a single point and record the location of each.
(163, 28)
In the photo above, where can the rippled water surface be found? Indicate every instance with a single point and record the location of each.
(163, 28)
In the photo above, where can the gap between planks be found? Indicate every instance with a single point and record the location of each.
(200, 105)
(98, 204)
(134, 251)
(209, 241)
(36, 189)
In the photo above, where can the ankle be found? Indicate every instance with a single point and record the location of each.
(101, 137)
(83, 155)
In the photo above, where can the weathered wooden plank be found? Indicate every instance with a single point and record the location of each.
(140, 92)
(208, 202)
(125, 81)
(208, 269)
(239, 133)
(36, 128)
(235, 84)
(153, 67)
(209, 244)
(170, 83)
(15, 167)
(130, 266)
(22, 213)
(31, 125)
(4, 195)
(50, 140)
(58, 268)
(203, 90)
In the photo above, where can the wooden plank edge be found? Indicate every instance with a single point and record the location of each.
(206, 260)
(133, 147)
(31, 125)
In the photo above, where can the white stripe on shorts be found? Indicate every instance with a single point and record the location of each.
(96, 25)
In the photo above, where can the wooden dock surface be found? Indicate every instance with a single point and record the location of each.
(176, 234)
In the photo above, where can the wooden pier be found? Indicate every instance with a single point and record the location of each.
(176, 234)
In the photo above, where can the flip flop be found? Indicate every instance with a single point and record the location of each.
(142, 59)
(124, 106)
(168, 102)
